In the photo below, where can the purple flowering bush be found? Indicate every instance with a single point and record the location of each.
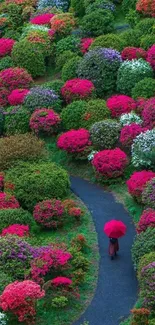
(101, 66)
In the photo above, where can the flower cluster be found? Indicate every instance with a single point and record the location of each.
(20, 298)
(120, 104)
(77, 89)
(129, 132)
(138, 181)
(74, 141)
(148, 195)
(147, 219)
(1, 182)
(151, 56)
(16, 229)
(43, 19)
(61, 281)
(147, 7)
(148, 113)
(49, 213)
(41, 97)
(62, 24)
(8, 201)
(130, 53)
(85, 44)
(110, 163)
(44, 120)
(6, 45)
(143, 149)
(17, 96)
(127, 119)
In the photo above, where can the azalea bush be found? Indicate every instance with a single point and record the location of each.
(1, 182)
(99, 4)
(138, 181)
(6, 45)
(146, 7)
(148, 285)
(85, 44)
(16, 120)
(8, 201)
(45, 120)
(129, 133)
(131, 53)
(110, 163)
(127, 119)
(148, 195)
(98, 22)
(49, 213)
(69, 43)
(112, 41)
(17, 96)
(144, 244)
(77, 89)
(144, 89)
(16, 229)
(43, 19)
(143, 154)
(104, 134)
(150, 56)
(147, 219)
(17, 215)
(95, 110)
(148, 113)
(59, 4)
(39, 97)
(120, 104)
(72, 209)
(72, 114)
(63, 24)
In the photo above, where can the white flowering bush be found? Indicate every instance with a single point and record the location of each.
(131, 72)
(91, 155)
(59, 4)
(127, 119)
(143, 149)
(3, 320)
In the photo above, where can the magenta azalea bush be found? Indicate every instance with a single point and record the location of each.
(77, 89)
(45, 120)
(17, 96)
(49, 213)
(6, 46)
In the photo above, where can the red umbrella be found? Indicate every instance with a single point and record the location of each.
(115, 228)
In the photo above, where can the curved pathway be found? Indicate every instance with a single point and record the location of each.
(116, 290)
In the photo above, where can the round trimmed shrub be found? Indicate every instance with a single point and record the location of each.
(16, 120)
(63, 58)
(131, 72)
(110, 163)
(44, 120)
(148, 195)
(120, 104)
(129, 133)
(20, 147)
(104, 134)
(54, 85)
(144, 89)
(100, 4)
(138, 181)
(127, 119)
(147, 219)
(15, 216)
(130, 38)
(131, 53)
(69, 43)
(17, 96)
(147, 41)
(128, 4)
(69, 70)
(150, 56)
(145, 26)
(8, 201)
(95, 110)
(6, 63)
(146, 7)
(49, 213)
(143, 153)
(98, 22)
(148, 113)
(72, 114)
(77, 89)
(61, 4)
(101, 66)
(112, 41)
(10, 33)
(39, 97)
(144, 244)
(35, 182)
(148, 285)
(62, 24)
(5, 279)
(78, 7)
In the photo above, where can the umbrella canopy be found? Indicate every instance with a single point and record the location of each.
(115, 228)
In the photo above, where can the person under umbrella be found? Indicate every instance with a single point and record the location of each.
(114, 229)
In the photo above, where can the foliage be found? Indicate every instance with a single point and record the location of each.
(69, 43)
(63, 58)
(6, 45)
(147, 219)
(148, 195)
(45, 120)
(6, 63)
(131, 53)
(147, 41)
(120, 104)
(112, 41)
(49, 213)
(8, 201)
(15, 216)
(78, 7)
(148, 285)
(129, 133)
(127, 119)
(54, 85)
(144, 88)
(69, 70)
(77, 89)
(128, 4)
(16, 120)
(145, 26)
(104, 134)
(95, 110)
(100, 4)
(143, 149)
(5, 279)
(72, 114)
(138, 181)
(98, 22)
(131, 38)
(39, 97)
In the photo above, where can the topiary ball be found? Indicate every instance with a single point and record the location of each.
(112, 41)
(120, 104)
(143, 154)
(105, 134)
(98, 22)
(16, 120)
(138, 181)
(39, 97)
(72, 114)
(16, 216)
(69, 70)
(144, 89)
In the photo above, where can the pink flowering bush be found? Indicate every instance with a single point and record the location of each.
(75, 142)
(138, 181)
(129, 133)
(85, 44)
(110, 163)
(140, 104)
(63, 23)
(43, 19)
(120, 104)
(20, 299)
(146, 7)
(147, 219)
(72, 209)
(151, 56)
(49, 213)
(130, 53)
(17, 96)
(16, 229)
(45, 120)
(6, 45)
(148, 113)
(1, 182)
(61, 281)
(8, 201)
(77, 89)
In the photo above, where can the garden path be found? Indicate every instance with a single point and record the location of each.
(116, 290)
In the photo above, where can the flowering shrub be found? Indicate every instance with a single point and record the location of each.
(104, 134)
(147, 7)
(127, 119)
(129, 132)
(72, 209)
(144, 244)
(8, 201)
(43, 19)
(138, 182)
(130, 53)
(41, 97)
(69, 43)
(130, 72)
(59, 4)
(147, 219)
(99, 4)
(9, 217)
(17, 96)
(140, 316)
(49, 213)
(148, 113)
(148, 285)
(77, 89)
(144, 89)
(44, 120)
(95, 110)
(61, 281)
(100, 66)
(151, 56)
(1, 182)
(148, 195)
(20, 298)
(85, 44)
(140, 104)
(98, 22)
(143, 149)
(120, 104)
(6, 45)
(110, 163)
(75, 141)
(16, 229)
(62, 24)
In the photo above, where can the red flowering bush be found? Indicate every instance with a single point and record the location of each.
(62, 24)
(130, 53)
(140, 104)
(16, 229)
(110, 163)
(43, 19)
(77, 89)
(61, 281)
(1, 182)
(20, 298)
(8, 201)
(49, 213)
(120, 104)
(17, 96)
(147, 7)
(137, 182)
(151, 56)
(6, 45)
(148, 113)
(129, 132)
(147, 219)
(44, 120)
(85, 44)
(75, 141)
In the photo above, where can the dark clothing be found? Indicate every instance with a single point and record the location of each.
(113, 246)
